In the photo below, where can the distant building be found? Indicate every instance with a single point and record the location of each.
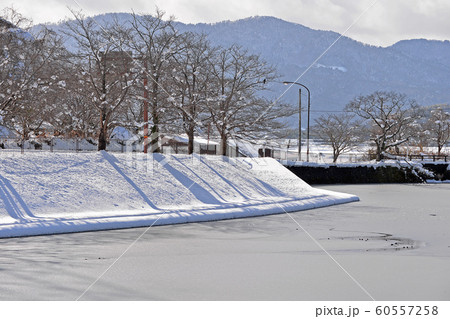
(118, 62)
(178, 144)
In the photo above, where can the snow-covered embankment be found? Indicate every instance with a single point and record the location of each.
(48, 193)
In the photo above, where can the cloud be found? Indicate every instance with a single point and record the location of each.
(391, 21)
(383, 24)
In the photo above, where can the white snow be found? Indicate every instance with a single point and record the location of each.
(47, 193)
(332, 67)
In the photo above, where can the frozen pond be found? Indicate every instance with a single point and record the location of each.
(392, 245)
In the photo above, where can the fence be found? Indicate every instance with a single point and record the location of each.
(120, 145)
(61, 145)
(323, 153)
(114, 145)
(420, 157)
(319, 153)
(317, 156)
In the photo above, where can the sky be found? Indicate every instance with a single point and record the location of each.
(376, 22)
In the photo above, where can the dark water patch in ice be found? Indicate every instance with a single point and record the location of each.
(369, 242)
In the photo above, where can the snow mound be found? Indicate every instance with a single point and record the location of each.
(48, 193)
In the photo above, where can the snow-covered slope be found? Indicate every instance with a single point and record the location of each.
(46, 193)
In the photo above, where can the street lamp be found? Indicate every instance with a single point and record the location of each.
(299, 155)
(299, 121)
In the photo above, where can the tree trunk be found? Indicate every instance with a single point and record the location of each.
(154, 134)
(335, 155)
(379, 152)
(103, 132)
(224, 144)
(191, 139)
(102, 140)
(379, 155)
(154, 139)
(439, 144)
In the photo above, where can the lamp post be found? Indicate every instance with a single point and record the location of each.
(309, 111)
(299, 155)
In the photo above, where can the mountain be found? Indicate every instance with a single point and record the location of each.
(418, 68)
(346, 68)
(428, 50)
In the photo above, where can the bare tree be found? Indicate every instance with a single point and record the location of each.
(340, 131)
(75, 116)
(15, 76)
(30, 76)
(234, 101)
(153, 40)
(105, 70)
(11, 18)
(190, 79)
(389, 117)
(438, 127)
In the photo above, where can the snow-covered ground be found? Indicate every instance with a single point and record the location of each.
(47, 193)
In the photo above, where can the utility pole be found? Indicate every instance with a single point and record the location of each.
(299, 125)
(145, 107)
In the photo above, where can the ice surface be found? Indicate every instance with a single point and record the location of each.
(394, 242)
